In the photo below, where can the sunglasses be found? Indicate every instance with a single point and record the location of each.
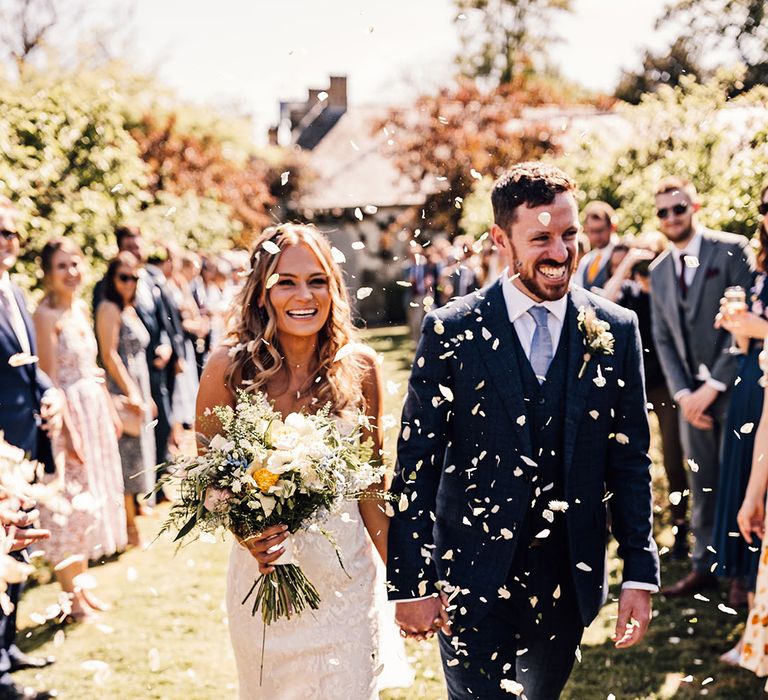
(127, 278)
(9, 235)
(677, 210)
(763, 208)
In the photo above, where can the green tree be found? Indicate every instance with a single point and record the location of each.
(660, 68)
(503, 39)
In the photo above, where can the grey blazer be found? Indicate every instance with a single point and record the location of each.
(684, 331)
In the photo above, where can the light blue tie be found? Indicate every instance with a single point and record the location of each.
(541, 345)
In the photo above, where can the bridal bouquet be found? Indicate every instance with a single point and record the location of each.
(262, 470)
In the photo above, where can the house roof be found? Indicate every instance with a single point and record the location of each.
(354, 166)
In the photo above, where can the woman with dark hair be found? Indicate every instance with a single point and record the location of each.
(736, 559)
(123, 341)
(89, 476)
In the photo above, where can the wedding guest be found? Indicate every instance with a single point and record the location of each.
(151, 309)
(159, 267)
(688, 281)
(460, 273)
(600, 226)
(749, 325)
(94, 528)
(422, 275)
(751, 520)
(195, 328)
(123, 341)
(630, 286)
(31, 411)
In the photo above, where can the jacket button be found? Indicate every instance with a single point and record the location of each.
(542, 401)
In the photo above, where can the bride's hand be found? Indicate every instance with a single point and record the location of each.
(266, 547)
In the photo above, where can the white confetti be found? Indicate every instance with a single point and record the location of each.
(132, 574)
(544, 218)
(345, 351)
(746, 429)
(439, 327)
(594, 414)
(511, 686)
(271, 247)
(583, 567)
(506, 534)
(520, 420)
(338, 257)
(22, 358)
(675, 497)
(558, 506)
(622, 439)
(446, 392)
(722, 607)
(272, 280)
(364, 292)
(284, 177)
(504, 593)
(358, 245)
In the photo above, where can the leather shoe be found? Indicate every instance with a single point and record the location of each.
(23, 692)
(737, 594)
(20, 661)
(692, 583)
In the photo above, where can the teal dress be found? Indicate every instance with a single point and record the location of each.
(734, 557)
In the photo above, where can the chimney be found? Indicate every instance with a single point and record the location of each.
(337, 92)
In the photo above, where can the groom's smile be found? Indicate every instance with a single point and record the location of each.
(539, 247)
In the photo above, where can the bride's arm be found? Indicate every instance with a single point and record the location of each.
(372, 508)
(212, 392)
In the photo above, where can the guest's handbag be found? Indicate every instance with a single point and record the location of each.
(129, 417)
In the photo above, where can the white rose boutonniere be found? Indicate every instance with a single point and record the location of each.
(597, 335)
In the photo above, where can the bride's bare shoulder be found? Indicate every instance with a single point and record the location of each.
(213, 389)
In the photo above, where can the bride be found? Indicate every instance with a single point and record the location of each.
(291, 320)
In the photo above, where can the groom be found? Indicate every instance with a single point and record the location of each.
(516, 438)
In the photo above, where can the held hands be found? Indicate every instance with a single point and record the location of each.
(751, 516)
(739, 321)
(634, 617)
(633, 256)
(421, 619)
(267, 547)
(696, 404)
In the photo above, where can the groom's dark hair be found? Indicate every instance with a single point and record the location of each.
(532, 184)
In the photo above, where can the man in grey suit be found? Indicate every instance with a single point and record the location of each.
(600, 226)
(687, 282)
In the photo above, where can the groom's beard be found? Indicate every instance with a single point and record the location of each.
(531, 278)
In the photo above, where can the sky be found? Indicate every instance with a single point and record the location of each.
(253, 53)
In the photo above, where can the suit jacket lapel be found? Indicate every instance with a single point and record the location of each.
(501, 362)
(29, 327)
(700, 278)
(577, 388)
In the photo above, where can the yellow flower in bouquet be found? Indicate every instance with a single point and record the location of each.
(265, 479)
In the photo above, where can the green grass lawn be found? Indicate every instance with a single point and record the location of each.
(166, 636)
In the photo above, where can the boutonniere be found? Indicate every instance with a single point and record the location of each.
(597, 335)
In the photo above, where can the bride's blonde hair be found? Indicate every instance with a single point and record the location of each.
(253, 328)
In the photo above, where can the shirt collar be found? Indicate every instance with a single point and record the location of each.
(518, 303)
(5, 281)
(694, 245)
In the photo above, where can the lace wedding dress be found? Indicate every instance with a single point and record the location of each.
(348, 649)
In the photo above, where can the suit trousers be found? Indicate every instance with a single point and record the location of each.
(667, 413)
(704, 449)
(530, 635)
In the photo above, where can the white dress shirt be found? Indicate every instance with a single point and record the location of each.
(8, 299)
(689, 257)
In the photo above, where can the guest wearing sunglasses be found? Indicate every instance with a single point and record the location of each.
(123, 341)
(688, 281)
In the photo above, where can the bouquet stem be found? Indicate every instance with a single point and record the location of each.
(284, 592)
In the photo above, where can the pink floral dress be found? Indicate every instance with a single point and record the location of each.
(95, 527)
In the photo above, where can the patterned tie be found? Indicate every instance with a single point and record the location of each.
(541, 345)
(594, 268)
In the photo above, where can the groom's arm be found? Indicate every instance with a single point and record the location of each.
(420, 452)
(628, 476)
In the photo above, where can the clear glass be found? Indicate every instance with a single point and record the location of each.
(735, 301)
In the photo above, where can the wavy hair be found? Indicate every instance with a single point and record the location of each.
(252, 327)
(762, 232)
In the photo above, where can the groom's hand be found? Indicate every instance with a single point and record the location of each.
(634, 617)
(421, 619)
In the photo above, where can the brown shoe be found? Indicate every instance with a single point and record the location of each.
(737, 594)
(692, 583)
